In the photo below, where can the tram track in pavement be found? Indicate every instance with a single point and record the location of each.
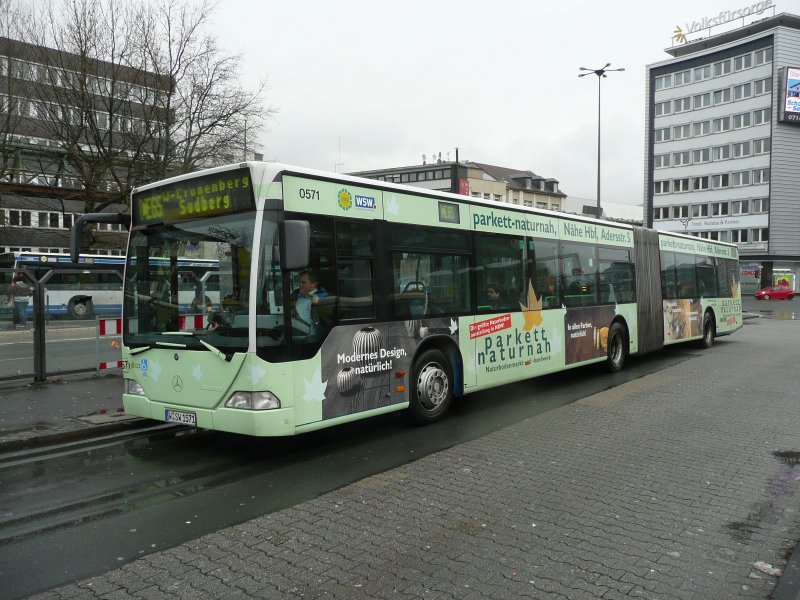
(86, 497)
(74, 509)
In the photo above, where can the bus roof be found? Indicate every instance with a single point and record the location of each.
(269, 171)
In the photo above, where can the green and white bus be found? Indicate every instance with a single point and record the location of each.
(402, 317)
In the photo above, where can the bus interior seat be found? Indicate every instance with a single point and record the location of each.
(412, 301)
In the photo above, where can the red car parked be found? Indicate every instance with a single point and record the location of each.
(783, 292)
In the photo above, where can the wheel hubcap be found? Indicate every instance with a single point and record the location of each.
(432, 385)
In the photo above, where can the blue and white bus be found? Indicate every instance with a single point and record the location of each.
(93, 286)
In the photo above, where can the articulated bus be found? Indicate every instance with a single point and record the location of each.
(401, 317)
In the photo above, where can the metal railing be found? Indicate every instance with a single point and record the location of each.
(24, 352)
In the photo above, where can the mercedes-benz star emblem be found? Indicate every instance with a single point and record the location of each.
(177, 383)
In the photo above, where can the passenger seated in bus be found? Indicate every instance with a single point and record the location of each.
(306, 302)
(496, 297)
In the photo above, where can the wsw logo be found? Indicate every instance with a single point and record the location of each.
(347, 201)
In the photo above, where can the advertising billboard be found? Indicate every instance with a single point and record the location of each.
(789, 109)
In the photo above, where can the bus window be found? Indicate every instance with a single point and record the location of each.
(355, 251)
(498, 266)
(433, 279)
(449, 291)
(685, 275)
(732, 265)
(616, 276)
(430, 284)
(355, 289)
(579, 274)
(706, 277)
(542, 269)
(724, 282)
(669, 286)
(310, 325)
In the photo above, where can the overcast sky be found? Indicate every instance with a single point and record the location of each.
(391, 81)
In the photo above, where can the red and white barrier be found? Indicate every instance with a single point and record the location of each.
(110, 327)
(191, 322)
(117, 364)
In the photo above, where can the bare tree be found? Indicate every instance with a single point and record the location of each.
(133, 93)
(209, 114)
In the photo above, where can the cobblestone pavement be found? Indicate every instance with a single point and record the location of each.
(671, 486)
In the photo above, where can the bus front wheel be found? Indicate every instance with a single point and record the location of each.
(617, 348)
(707, 340)
(431, 387)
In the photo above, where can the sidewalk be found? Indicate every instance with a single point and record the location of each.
(672, 486)
(63, 408)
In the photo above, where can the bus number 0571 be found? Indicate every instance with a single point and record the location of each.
(309, 194)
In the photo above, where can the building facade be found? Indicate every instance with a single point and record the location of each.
(478, 180)
(720, 161)
(68, 124)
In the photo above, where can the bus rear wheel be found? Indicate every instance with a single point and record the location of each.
(617, 348)
(81, 309)
(707, 340)
(431, 387)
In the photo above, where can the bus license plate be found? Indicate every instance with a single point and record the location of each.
(177, 416)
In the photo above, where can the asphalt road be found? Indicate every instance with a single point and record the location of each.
(70, 346)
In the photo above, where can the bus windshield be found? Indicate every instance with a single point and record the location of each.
(190, 277)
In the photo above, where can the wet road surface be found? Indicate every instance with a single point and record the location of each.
(83, 508)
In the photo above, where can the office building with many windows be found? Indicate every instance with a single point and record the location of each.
(64, 121)
(721, 157)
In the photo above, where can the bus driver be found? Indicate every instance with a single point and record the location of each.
(306, 299)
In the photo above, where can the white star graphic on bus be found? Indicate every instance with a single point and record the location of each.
(315, 389)
(392, 207)
(154, 369)
(453, 326)
(255, 373)
(197, 372)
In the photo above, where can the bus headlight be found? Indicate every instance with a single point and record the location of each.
(253, 401)
(132, 387)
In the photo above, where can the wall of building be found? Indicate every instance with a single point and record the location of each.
(784, 188)
(483, 186)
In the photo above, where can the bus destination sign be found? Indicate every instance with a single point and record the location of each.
(202, 197)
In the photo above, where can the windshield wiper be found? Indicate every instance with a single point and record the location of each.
(209, 347)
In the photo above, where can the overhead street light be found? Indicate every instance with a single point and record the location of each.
(600, 74)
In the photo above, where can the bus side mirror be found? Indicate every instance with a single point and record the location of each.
(295, 244)
(81, 222)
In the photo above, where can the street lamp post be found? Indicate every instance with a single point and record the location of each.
(600, 73)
